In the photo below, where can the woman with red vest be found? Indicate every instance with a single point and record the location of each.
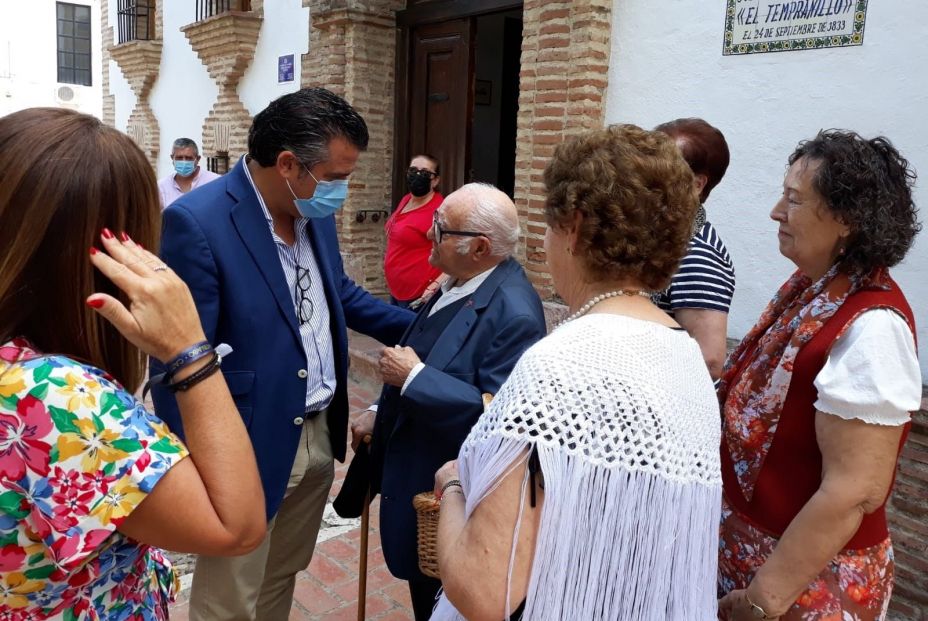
(816, 398)
(406, 265)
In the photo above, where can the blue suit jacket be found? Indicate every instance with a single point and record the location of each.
(417, 432)
(218, 240)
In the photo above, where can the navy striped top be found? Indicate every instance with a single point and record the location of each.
(705, 278)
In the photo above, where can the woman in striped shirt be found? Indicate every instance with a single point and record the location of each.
(700, 292)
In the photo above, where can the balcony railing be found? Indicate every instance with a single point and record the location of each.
(135, 20)
(208, 8)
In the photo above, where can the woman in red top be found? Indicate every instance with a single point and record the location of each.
(406, 263)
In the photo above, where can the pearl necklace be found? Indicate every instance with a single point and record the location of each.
(603, 296)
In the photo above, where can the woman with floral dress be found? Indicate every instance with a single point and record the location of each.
(90, 481)
(816, 399)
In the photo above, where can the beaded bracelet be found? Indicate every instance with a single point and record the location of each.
(452, 483)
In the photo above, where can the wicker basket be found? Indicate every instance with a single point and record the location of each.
(427, 511)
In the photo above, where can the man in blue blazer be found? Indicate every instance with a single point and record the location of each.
(259, 251)
(463, 343)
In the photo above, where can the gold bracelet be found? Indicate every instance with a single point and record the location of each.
(756, 610)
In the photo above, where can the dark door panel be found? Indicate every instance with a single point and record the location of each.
(440, 89)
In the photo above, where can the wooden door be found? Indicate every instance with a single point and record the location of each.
(440, 78)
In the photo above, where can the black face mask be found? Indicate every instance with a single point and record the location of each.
(418, 184)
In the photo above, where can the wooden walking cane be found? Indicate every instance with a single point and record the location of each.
(362, 564)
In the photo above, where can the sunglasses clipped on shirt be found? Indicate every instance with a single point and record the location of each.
(438, 233)
(304, 304)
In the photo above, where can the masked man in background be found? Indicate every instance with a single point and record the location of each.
(187, 175)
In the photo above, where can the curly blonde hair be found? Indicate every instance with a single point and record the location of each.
(637, 197)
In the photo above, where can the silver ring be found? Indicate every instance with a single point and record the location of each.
(160, 268)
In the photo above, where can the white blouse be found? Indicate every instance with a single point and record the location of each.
(872, 372)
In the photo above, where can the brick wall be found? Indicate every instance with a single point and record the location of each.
(139, 62)
(225, 44)
(106, 40)
(565, 57)
(351, 52)
(908, 515)
(564, 73)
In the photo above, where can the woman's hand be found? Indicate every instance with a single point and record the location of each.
(161, 319)
(736, 607)
(446, 473)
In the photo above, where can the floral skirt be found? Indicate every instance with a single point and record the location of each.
(855, 586)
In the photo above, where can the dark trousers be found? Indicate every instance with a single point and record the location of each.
(423, 592)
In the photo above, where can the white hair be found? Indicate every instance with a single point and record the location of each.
(493, 214)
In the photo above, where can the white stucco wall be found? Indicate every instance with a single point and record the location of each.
(183, 93)
(667, 63)
(28, 58)
(285, 30)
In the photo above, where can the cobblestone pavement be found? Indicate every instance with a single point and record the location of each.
(328, 588)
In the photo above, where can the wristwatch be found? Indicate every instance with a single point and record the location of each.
(757, 611)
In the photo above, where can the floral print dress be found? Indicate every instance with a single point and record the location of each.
(77, 455)
(855, 586)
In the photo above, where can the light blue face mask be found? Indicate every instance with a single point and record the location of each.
(184, 168)
(326, 200)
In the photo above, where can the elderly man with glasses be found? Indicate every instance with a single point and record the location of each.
(464, 342)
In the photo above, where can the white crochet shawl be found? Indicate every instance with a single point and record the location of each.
(626, 423)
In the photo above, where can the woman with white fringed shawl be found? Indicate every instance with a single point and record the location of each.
(591, 486)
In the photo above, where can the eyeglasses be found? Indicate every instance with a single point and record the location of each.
(412, 170)
(438, 233)
(304, 305)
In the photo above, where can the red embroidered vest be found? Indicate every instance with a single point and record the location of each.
(792, 472)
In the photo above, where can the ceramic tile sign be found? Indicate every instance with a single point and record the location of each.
(285, 68)
(756, 26)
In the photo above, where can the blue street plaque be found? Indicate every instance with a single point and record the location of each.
(285, 68)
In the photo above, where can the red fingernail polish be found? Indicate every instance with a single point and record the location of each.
(123, 236)
(93, 250)
(95, 303)
(107, 234)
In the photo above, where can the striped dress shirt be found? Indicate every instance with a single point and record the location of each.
(314, 318)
